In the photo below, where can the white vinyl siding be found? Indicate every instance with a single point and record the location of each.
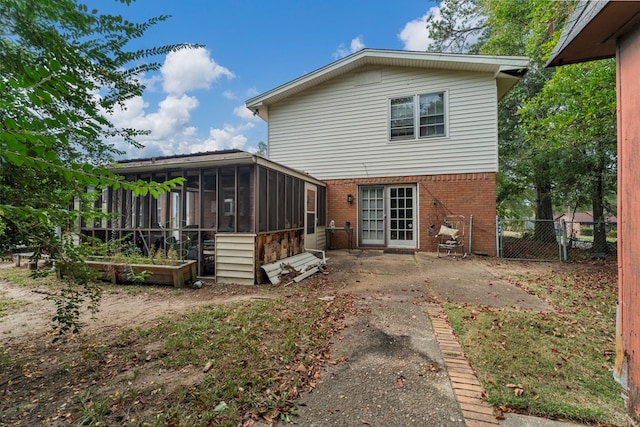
(235, 258)
(341, 130)
(321, 237)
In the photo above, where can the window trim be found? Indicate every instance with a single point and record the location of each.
(416, 116)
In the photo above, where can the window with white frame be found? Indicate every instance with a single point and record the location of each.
(421, 115)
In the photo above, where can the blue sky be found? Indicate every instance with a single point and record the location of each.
(195, 103)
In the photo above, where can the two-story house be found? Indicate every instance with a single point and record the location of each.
(401, 139)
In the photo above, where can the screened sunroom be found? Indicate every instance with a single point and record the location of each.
(235, 212)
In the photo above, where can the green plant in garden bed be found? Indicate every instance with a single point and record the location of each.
(124, 251)
(556, 365)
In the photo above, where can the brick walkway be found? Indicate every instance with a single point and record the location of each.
(467, 388)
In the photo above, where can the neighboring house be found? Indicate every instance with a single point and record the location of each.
(402, 140)
(575, 221)
(235, 212)
(606, 29)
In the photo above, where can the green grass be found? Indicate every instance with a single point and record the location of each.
(6, 304)
(260, 356)
(23, 277)
(18, 276)
(556, 365)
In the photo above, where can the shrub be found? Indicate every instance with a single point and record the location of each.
(586, 231)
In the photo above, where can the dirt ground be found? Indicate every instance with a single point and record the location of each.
(392, 372)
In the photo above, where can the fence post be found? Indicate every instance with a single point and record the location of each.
(564, 240)
(498, 248)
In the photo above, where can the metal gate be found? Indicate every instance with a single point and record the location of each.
(534, 240)
(548, 240)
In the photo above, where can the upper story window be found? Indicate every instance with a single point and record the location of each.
(422, 115)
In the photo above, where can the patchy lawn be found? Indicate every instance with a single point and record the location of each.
(214, 356)
(229, 355)
(556, 365)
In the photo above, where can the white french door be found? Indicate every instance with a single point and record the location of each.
(388, 216)
(401, 216)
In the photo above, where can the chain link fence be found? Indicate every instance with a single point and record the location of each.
(548, 240)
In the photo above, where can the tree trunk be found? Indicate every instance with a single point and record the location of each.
(599, 224)
(545, 230)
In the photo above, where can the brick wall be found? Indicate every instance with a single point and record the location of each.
(439, 195)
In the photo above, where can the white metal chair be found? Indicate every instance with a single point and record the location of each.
(450, 236)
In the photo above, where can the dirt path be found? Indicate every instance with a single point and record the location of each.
(120, 307)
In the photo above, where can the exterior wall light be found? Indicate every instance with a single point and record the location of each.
(350, 199)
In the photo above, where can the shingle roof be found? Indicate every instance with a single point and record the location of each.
(593, 29)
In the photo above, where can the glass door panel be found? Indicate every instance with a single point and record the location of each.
(310, 239)
(372, 216)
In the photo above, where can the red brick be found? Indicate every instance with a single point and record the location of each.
(477, 408)
(464, 386)
(469, 393)
(439, 195)
(476, 423)
(468, 379)
(478, 417)
(475, 400)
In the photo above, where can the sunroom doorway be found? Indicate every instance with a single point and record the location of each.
(311, 217)
(387, 216)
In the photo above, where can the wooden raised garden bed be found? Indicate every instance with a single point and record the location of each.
(175, 273)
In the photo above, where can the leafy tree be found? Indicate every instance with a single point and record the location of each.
(63, 68)
(457, 27)
(507, 28)
(557, 134)
(580, 125)
(526, 28)
(263, 149)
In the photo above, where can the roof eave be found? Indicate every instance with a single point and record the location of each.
(593, 30)
(182, 162)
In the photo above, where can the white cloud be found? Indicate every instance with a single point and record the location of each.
(415, 35)
(355, 45)
(167, 125)
(188, 69)
(244, 113)
(169, 120)
(229, 94)
(229, 137)
(173, 114)
(252, 91)
(150, 83)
